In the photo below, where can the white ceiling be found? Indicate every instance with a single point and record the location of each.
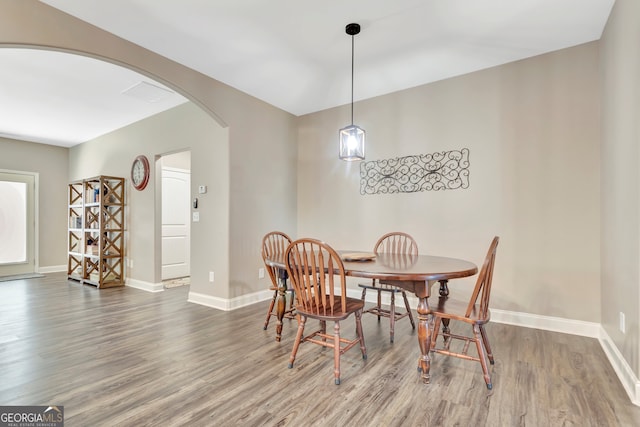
(290, 53)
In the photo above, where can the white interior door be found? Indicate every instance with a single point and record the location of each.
(17, 223)
(176, 229)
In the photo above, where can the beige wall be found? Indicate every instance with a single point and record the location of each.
(620, 178)
(52, 164)
(262, 146)
(532, 128)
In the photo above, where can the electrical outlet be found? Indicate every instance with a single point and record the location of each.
(130, 263)
(623, 327)
(211, 276)
(261, 273)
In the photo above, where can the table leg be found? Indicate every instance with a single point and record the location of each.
(425, 321)
(444, 292)
(425, 326)
(444, 288)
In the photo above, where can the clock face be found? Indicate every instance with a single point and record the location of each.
(140, 172)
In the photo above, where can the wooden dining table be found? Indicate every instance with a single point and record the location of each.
(415, 273)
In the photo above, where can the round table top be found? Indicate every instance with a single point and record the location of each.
(410, 267)
(401, 267)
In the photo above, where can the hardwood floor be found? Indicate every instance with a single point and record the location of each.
(125, 357)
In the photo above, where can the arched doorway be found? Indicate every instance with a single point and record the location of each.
(90, 75)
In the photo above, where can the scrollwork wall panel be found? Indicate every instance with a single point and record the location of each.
(445, 170)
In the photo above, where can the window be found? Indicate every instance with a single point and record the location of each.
(13, 222)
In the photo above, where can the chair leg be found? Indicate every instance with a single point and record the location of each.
(273, 302)
(446, 332)
(436, 330)
(445, 328)
(336, 352)
(296, 342)
(363, 348)
(323, 329)
(392, 317)
(293, 297)
(482, 355)
(364, 293)
(408, 307)
(379, 304)
(485, 341)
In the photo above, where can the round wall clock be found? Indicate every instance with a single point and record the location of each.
(140, 172)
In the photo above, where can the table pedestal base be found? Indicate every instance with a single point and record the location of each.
(425, 326)
(425, 320)
(281, 303)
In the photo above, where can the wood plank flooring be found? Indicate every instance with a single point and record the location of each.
(125, 357)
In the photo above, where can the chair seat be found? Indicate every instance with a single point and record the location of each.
(274, 288)
(449, 308)
(380, 287)
(339, 313)
(383, 312)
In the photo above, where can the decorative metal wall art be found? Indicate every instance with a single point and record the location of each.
(445, 170)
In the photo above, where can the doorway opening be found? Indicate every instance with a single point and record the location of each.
(176, 222)
(17, 223)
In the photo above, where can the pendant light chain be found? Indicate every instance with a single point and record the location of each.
(352, 44)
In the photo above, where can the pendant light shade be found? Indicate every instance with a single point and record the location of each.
(352, 137)
(352, 143)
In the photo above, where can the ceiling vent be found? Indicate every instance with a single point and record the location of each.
(148, 92)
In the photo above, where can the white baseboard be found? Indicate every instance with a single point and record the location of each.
(52, 269)
(625, 374)
(145, 286)
(229, 304)
(546, 323)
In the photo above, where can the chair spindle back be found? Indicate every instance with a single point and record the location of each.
(274, 245)
(483, 284)
(316, 272)
(396, 243)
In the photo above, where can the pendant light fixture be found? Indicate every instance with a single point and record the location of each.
(352, 136)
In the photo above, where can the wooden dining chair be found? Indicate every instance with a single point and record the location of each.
(274, 245)
(393, 243)
(474, 312)
(318, 278)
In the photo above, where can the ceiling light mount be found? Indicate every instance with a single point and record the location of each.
(352, 137)
(352, 29)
